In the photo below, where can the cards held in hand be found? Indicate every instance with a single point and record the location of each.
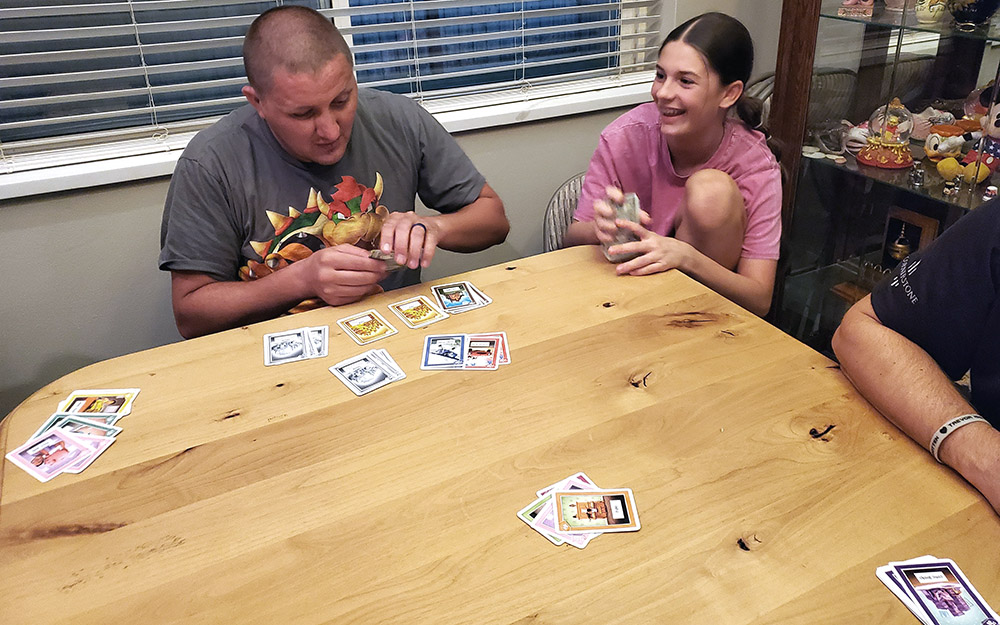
(575, 511)
(936, 591)
(368, 371)
(628, 210)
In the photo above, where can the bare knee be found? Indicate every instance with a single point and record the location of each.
(712, 201)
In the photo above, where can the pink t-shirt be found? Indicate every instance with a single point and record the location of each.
(632, 155)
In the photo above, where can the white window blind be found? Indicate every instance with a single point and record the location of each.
(83, 80)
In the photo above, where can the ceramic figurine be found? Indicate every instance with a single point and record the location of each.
(989, 146)
(949, 140)
(930, 11)
(926, 118)
(888, 144)
(856, 8)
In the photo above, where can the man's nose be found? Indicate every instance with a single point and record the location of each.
(327, 126)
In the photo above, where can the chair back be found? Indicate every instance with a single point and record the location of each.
(559, 212)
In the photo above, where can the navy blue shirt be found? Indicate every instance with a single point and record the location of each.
(945, 299)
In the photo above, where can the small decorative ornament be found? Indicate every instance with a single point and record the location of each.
(990, 193)
(930, 11)
(888, 144)
(951, 188)
(917, 178)
(971, 13)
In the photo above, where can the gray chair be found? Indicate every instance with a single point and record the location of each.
(559, 212)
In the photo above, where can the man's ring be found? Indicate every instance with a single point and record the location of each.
(416, 224)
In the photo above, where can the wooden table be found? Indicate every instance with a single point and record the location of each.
(244, 494)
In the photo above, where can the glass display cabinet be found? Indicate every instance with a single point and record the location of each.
(896, 144)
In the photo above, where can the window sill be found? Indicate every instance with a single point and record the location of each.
(478, 113)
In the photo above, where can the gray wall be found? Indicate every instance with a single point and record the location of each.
(80, 283)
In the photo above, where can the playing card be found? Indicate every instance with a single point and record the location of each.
(530, 512)
(363, 373)
(97, 445)
(317, 341)
(417, 312)
(443, 351)
(46, 456)
(388, 257)
(481, 354)
(589, 511)
(285, 347)
(395, 372)
(458, 297)
(943, 595)
(577, 481)
(628, 210)
(75, 424)
(108, 405)
(545, 521)
(366, 327)
(503, 350)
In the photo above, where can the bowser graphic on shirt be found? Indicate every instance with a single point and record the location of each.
(352, 216)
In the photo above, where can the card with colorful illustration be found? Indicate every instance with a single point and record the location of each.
(417, 312)
(366, 327)
(529, 513)
(577, 481)
(481, 354)
(545, 521)
(589, 511)
(46, 456)
(97, 445)
(457, 297)
(443, 351)
(943, 594)
(75, 424)
(284, 347)
(502, 348)
(108, 405)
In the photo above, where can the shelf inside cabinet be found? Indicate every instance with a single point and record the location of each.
(907, 19)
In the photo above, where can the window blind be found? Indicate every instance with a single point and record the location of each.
(92, 79)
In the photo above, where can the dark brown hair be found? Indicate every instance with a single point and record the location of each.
(295, 38)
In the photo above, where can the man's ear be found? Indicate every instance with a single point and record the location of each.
(254, 99)
(730, 96)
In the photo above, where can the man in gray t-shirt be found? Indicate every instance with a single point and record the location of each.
(270, 209)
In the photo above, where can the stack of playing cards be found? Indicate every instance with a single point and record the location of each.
(294, 345)
(483, 352)
(574, 511)
(936, 591)
(366, 327)
(368, 371)
(82, 427)
(628, 211)
(417, 312)
(459, 297)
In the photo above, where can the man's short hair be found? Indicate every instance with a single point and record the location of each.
(297, 39)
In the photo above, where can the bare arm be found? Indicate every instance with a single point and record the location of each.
(581, 233)
(338, 275)
(474, 227)
(907, 386)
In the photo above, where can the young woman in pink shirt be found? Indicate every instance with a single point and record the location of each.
(700, 164)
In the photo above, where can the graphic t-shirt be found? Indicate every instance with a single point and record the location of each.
(238, 201)
(946, 299)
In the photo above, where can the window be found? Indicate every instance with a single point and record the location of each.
(88, 79)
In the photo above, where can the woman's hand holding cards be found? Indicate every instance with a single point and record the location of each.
(655, 253)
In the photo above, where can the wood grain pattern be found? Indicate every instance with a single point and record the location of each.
(768, 491)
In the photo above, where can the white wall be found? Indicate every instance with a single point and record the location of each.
(79, 277)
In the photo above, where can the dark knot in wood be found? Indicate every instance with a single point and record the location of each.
(820, 433)
(636, 382)
(692, 319)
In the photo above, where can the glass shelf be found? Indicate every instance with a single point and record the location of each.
(908, 19)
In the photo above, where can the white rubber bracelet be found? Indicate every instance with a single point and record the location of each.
(945, 431)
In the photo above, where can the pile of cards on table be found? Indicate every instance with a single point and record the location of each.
(368, 371)
(82, 427)
(459, 297)
(295, 345)
(936, 591)
(574, 511)
(485, 351)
